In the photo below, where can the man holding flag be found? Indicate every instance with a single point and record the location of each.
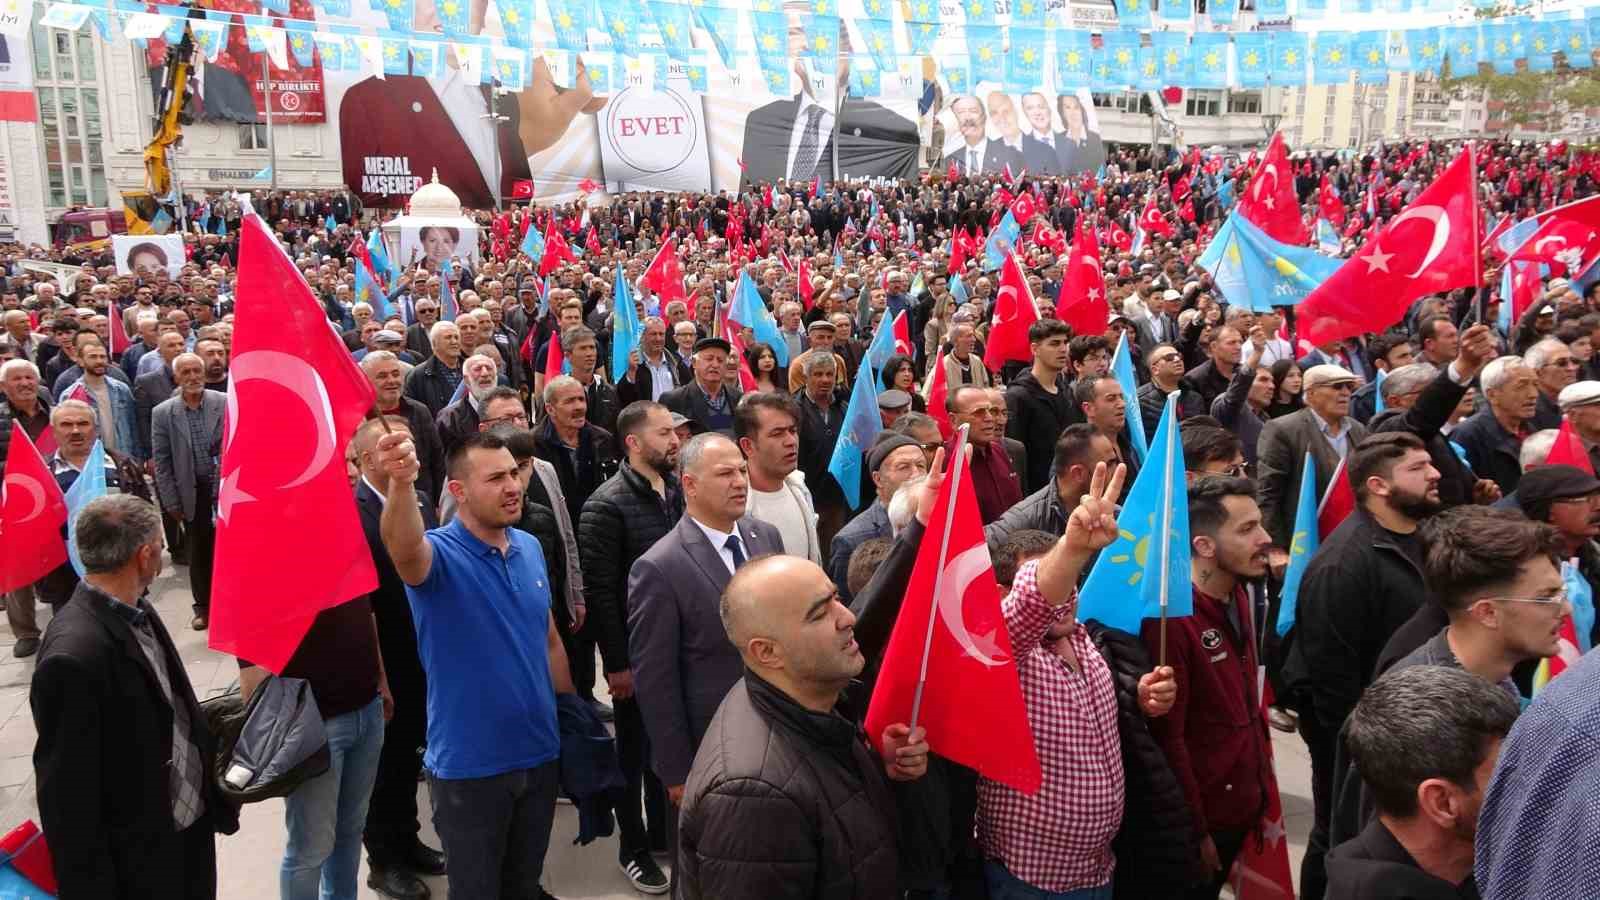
(1059, 840)
(1216, 736)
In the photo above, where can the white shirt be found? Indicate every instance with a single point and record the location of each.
(797, 133)
(719, 539)
(1276, 348)
(782, 510)
(660, 375)
(972, 157)
(464, 102)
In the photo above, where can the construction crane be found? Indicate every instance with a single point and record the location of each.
(156, 209)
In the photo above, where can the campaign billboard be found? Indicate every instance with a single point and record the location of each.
(1035, 132)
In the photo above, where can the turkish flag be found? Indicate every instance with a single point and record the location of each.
(972, 698)
(591, 242)
(554, 359)
(556, 252)
(902, 334)
(1261, 871)
(1269, 199)
(958, 254)
(1337, 503)
(1568, 450)
(522, 189)
(747, 378)
(32, 516)
(1429, 248)
(1120, 238)
(1180, 188)
(118, 335)
(1491, 240)
(1014, 311)
(951, 173)
(1525, 288)
(1567, 235)
(802, 283)
(289, 539)
(1082, 300)
(936, 390)
(1023, 208)
(665, 275)
(1329, 204)
(1152, 221)
(588, 186)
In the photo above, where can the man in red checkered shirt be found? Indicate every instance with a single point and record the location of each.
(1216, 736)
(1056, 843)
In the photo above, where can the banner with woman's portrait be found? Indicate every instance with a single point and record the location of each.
(457, 241)
(145, 254)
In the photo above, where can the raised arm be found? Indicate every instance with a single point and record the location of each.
(401, 525)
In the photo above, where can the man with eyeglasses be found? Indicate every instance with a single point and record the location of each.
(998, 487)
(1555, 367)
(427, 313)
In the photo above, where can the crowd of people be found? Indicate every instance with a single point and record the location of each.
(681, 522)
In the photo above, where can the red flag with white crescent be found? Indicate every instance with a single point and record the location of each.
(1429, 248)
(1081, 302)
(289, 539)
(33, 514)
(1014, 312)
(1269, 200)
(665, 275)
(972, 704)
(936, 390)
(902, 334)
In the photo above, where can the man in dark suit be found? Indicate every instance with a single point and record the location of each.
(706, 401)
(682, 661)
(124, 758)
(1326, 429)
(978, 153)
(397, 856)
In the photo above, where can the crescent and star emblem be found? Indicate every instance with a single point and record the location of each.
(298, 376)
(1005, 305)
(1377, 260)
(1262, 180)
(35, 490)
(959, 574)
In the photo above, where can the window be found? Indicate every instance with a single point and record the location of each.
(1332, 98)
(1247, 102)
(1300, 103)
(253, 136)
(71, 123)
(1203, 103)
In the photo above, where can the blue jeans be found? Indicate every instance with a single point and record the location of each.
(1005, 886)
(326, 814)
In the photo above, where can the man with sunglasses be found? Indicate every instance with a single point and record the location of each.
(997, 485)
(1555, 366)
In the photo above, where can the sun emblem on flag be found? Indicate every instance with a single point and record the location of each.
(1028, 56)
(975, 9)
(877, 43)
(1213, 59)
(1074, 59)
(821, 8)
(1252, 59)
(1290, 57)
(985, 52)
(822, 43)
(298, 42)
(1335, 56)
(1374, 55)
(511, 16)
(1141, 550)
(1171, 58)
(923, 9)
(1124, 57)
(450, 8)
(1149, 67)
(671, 30)
(619, 25)
(1026, 6)
(1575, 42)
(868, 77)
(769, 42)
(390, 51)
(564, 20)
(775, 78)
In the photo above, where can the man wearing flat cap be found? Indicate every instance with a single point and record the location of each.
(892, 404)
(893, 460)
(1326, 429)
(707, 401)
(1580, 403)
(1568, 499)
(821, 335)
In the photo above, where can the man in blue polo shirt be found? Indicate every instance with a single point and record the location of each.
(480, 596)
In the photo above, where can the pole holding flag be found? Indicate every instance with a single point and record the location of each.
(958, 458)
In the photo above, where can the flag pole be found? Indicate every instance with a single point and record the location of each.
(957, 462)
(1166, 523)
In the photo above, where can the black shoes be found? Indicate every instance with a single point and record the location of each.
(424, 860)
(644, 874)
(397, 884)
(25, 647)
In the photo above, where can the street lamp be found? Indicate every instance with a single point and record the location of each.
(495, 120)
